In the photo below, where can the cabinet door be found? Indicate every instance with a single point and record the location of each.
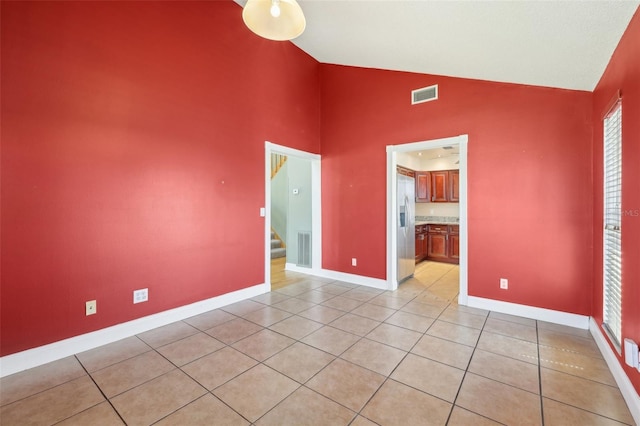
(439, 186)
(454, 186)
(423, 184)
(419, 247)
(454, 246)
(437, 246)
(425, 244)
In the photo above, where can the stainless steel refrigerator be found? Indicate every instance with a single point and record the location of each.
(406, 227)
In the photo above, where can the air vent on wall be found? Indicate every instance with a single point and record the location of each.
(304, 249)
(425, 94)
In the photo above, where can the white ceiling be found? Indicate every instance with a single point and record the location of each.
(564, 44)
(435, 153)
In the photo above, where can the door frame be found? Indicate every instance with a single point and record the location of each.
(316, 207)
(392, 207)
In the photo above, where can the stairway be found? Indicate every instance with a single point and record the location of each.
(276, 247)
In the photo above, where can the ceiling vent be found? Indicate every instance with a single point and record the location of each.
(425, 94)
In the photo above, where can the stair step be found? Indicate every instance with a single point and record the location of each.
(278, 252)
(276, 243)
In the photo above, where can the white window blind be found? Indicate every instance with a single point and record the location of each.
(612, 259)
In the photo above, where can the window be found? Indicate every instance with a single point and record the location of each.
(612, 259)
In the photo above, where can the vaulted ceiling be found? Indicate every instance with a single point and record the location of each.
(565, 44)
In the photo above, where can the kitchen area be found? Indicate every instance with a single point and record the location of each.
(432, 178)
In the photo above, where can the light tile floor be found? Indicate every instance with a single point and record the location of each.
(331, 353)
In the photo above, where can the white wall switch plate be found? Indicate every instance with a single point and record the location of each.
(504, 283)
(354, 261)
(263, 212)
(91, 307)
(141, 295)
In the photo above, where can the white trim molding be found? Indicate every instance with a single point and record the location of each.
(354, 279)
(626, 387)
(30, 358)
(542, 314)
(339, 276)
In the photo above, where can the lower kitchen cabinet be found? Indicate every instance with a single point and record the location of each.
(419, 247)
(454, 247)
(443, 243)
(437, 247)
(421, 242)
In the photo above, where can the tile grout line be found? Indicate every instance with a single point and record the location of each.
(539, 374)
(99, 389)
(388, 377)
(466, 370)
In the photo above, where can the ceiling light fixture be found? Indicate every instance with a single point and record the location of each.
(274, 19)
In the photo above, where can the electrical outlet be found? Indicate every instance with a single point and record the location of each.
(141, 295)
(504, 283)
(354, 261)
(91, 307)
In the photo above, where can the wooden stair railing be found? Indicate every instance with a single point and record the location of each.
(277, 161)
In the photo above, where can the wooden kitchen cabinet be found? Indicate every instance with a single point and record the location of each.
(445, 186)
(404, 171)
(454, 186)
(437, 245)
(443, 243)
(438, 249)
(419, 237)
(423, 187)
(440, 186)
(454, 243)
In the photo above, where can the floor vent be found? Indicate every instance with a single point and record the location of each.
(425, 94)
(304, 249)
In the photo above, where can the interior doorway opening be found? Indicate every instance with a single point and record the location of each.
(292, 212)
(393, 217)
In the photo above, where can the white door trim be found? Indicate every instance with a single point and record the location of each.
(316, 208)
(392, 242)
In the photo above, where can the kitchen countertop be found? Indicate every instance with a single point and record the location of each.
(432, 222)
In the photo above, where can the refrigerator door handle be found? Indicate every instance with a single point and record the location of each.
(409, 213)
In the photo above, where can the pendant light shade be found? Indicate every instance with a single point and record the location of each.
(274, 19)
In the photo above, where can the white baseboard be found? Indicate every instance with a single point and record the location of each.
(542, 314)
(295, 268)
(30, 358)
(340, 276)
(626, 388)
(355, 279)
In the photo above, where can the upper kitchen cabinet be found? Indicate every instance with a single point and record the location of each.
(423, 187)
(440, 186)
(445, 186)
(454, 186)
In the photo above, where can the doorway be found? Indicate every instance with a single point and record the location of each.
(301, 230)
(392, 207)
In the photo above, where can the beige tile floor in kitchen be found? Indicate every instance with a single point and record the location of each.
(331, 353)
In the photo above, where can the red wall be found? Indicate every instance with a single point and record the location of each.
(530, 178)
(133, 156)
(622, 73)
